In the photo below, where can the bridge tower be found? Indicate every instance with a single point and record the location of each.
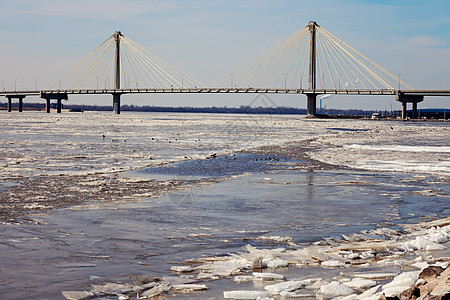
(311, 97)
(116, 95)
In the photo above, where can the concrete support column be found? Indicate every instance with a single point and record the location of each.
(55, 96)
(15, 96)
(404, 99)
(404, 110)
(116, 103)
(47, 105)
(311, 105)
(414, 110)
(59, 106)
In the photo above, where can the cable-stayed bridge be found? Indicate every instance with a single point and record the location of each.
(311, 61)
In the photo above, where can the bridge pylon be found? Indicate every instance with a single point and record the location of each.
(120, 66)
(311, 98)
(116, 96)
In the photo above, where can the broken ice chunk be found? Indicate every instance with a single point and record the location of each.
(374, 275)
(316, 285)
(206, 276)
(112, 288)
(181, 269)
(189, 286)
(400, 283)
(336, 289)
(332, 264)
(360, 283)
(370, 294)
(155, 291)
(268, 276)
(244, 295)
(243, 278)
(274, 263)
(288, 286)
(421, 243)
(77, 295)
(225, 268)
(420, 265)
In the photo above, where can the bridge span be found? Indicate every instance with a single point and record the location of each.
(312, 61)
(403, 96)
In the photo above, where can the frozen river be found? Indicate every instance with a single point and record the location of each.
(94, 196)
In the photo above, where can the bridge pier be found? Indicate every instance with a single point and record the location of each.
(10, 97)
(311, 104)
(58, 106)
(116, 103)
(9, 106)
(405, 99)
(47, 106)
(57, 96)
(414, 110)
(404, 108)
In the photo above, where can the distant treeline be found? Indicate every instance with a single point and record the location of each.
(243, 109)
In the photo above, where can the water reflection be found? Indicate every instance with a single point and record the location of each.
(310, 183)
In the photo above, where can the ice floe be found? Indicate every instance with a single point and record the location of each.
(336, 289)
(400, 283)
(268, 276)
(360, 283)
(366, 275)
(182, 269)
(288, 286)
(365, 252)
(244, 294)
(438, 149)
(332, 264)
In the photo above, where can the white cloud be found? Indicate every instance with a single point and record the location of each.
(422, 41)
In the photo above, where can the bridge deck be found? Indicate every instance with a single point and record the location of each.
(227, 90)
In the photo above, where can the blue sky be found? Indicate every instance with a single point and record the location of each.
(206, 39)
